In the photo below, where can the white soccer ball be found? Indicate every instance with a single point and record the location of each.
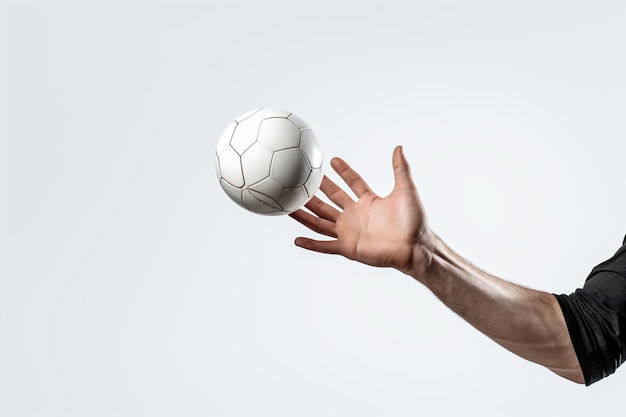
(269, 162)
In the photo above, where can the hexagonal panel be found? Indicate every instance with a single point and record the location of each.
(293, 198)
(230, 167)
(278, 133)
(224, 139)
(311, 148)
(256, 163)
(290, 168)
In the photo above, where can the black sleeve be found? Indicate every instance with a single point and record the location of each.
(596, 318)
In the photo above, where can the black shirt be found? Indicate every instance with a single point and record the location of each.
(596, 318)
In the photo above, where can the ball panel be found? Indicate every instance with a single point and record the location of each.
(290, 168)
(246, 115)
(230, 167)
(244, 135)
(233, 192)
(311, 148)
(256, 163)
(278, 133)
(224, 140)
(268, 187)
(293, 198)
(312, 183)
(297, 121)
(259, 202)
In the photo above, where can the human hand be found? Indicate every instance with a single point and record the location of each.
(389, 231)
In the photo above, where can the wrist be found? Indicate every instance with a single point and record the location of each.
(421, 255)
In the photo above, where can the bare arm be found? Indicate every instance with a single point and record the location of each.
(527, 322)
(393, 232)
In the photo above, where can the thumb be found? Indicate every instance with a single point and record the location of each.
(401, 170)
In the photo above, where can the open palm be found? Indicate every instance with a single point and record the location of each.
(379, 231)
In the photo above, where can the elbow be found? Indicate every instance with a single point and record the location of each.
(577, 379)
(574, 375)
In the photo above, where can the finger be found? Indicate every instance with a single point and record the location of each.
(350, 177)
(323, 210)
(322, 246)
(335, 193)
(317, 224)
(401, 170)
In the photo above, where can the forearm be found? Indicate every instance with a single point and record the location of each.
(527, 322)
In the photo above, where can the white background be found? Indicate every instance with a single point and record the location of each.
(131, 285)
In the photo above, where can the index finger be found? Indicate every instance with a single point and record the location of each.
(350, 177)
(336, 194)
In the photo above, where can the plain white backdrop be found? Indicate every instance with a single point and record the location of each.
(131, 285)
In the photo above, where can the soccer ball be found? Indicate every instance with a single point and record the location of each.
(269, 162)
